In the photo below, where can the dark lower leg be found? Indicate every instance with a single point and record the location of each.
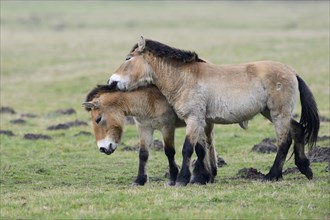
(275, 172)
(142, 177)
(185, 174)
(201, 174)
(301, 160)
(173, 167)
(214, 164)
(212, 152)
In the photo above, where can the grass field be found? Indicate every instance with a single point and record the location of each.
(53, 53)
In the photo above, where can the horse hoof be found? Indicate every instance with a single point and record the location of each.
(180, 184)
(201, 179)
(171, 183)
(198, 182)
(182, 181)
(272, 177)
(136, 184)
(309, 173)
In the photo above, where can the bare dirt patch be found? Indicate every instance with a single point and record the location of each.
(323, 138)
(67, 125)
(69, 111)
(31, 136)
(291, 170)
(158, 145)
(7, 132)
(28, 115)
(319, 154)
(83, 133)
(324, 119)
(17, 121)
(266, 146)
(7, 110)
(58, 126)
(130, 148)
(250, 173)
(221, 162)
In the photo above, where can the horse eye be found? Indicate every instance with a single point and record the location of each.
(98, 119)
(128, 58)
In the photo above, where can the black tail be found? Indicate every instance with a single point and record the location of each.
(309, 114)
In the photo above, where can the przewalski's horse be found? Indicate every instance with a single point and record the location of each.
(203, 93)
(151, 111)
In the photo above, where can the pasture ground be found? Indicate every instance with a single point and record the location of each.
(53, 53)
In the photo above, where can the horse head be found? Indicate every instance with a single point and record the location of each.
(134, 72)
(107, 123)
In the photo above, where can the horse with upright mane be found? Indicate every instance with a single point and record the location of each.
(202, 94)
(151, 112)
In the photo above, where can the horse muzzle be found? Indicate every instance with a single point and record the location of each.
(117, 82)
(107, 146)
(106, 151)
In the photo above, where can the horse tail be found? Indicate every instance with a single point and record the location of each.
(309, 119)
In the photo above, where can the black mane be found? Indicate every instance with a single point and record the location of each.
(99, 89)
(164, 51)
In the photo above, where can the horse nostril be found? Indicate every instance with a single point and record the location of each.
(110, 145)
(113, 84)
(102, 149)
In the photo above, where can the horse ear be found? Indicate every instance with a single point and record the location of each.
(89, 105)
(141, 44)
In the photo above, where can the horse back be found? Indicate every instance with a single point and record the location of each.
(236, 93)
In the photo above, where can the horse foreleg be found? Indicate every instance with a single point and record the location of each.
(168, 136)
(146, 137)
(205, 168)
(202, 171)
(193, 130)
(185, 174)
(300, 158)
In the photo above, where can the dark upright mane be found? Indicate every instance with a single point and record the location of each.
(99, 89)
(164, 51)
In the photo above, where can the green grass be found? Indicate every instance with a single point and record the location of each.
(53, 53)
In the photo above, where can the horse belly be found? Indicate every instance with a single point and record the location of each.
(158, 122)
(234, 109)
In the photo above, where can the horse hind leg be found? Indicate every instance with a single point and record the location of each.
(213, 162)
(284, 140)
(301, 160)
(212, 151)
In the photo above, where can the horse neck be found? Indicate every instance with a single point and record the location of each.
(121, 102)
(134, 103)
(169, 76)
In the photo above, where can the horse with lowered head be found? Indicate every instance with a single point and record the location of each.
(202, 94)
(151, 112)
